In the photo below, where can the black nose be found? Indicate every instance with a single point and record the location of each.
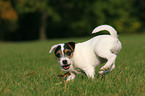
(64, 61)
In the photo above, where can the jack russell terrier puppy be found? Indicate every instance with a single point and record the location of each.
(84, 57)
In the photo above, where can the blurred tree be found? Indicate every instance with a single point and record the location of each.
(33, 19)
(123, 19)
(117, 13)
(7, 11)
(41, 6)
(79, 17)
(75, 18)
(139, 13)
(8, 18)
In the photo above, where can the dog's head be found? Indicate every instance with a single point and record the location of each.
(64, 54)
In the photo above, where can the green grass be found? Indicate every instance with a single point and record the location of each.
(27, 69)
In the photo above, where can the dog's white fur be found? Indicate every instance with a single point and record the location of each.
(94, 52)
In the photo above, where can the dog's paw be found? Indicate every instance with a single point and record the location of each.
(64, 76)
(60, 76)
(104, 68)
(104, 72)
(101, 72)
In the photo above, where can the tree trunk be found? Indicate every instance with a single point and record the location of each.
(43, 26)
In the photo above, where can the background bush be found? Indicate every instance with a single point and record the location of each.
(42, 19)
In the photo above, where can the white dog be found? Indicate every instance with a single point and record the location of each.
(84, 57)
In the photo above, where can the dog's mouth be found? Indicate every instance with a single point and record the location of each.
(66, 67)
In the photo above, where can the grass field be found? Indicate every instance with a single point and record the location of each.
(27, 69)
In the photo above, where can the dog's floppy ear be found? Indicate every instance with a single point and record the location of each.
(53, 48)
(71, 45)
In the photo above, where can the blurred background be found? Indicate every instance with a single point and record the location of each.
(23, 20)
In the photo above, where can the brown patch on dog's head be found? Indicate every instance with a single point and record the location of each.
(58, 52)
(68, 52)
(69, 49)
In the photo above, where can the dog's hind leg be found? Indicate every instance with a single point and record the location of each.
(111, 59)
(113, 66)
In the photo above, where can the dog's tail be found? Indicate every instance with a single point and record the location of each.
(110, 29)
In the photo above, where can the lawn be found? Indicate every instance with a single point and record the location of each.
(27, 69)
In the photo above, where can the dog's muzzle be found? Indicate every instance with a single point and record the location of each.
(66, 67)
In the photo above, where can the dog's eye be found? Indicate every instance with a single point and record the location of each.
(68, 53)
(58, 55)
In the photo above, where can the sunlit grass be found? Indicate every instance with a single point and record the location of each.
(28, 69)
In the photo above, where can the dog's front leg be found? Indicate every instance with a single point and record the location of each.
(71, 76)
(90, 72)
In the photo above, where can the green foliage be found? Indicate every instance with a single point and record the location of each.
(32, 6)
(8, 18)
(28, 69)
(65, 17)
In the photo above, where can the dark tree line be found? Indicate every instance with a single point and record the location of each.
(42, 19)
